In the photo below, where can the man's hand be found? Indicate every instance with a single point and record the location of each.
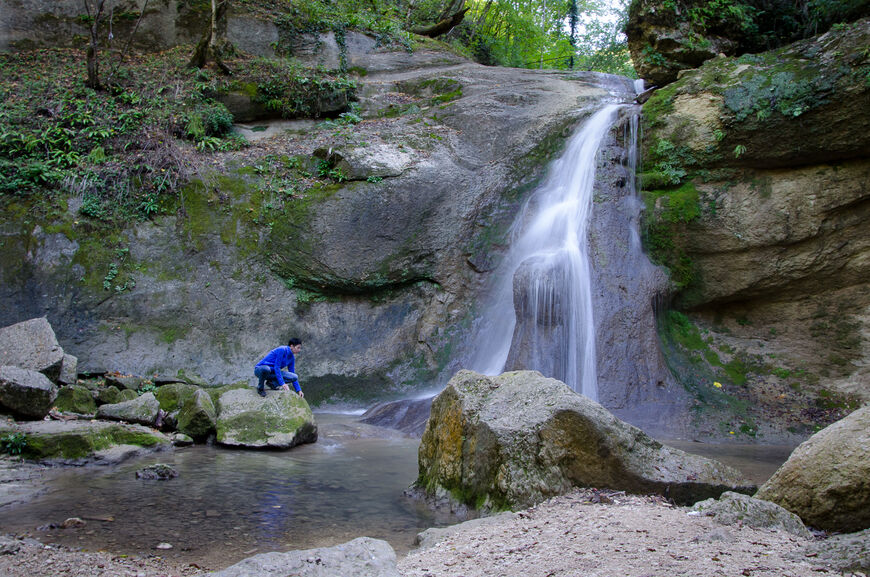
(285, 387)
(301, 395)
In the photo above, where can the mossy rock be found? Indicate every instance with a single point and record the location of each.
(197, 416)
(142, 410)
(109, 395)
(174, 395)
(75, 399)
(82, 440)
(280, 421)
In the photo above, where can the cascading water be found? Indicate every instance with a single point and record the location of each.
(545, 277)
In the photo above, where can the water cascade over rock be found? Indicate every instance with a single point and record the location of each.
(546, 275)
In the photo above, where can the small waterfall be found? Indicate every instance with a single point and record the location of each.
(545, 276)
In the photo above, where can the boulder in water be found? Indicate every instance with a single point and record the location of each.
(26, 392)
(280, 421)
(824, 480)
(514, 440)
(157, 472)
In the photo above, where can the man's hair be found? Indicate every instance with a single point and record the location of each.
(294, 341)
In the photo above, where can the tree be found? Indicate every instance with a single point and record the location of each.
(213, 44)
(95, 15)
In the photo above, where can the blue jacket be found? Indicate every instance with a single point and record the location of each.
(278, 359)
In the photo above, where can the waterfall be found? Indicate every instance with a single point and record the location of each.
(545, 276)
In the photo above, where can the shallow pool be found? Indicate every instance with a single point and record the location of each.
(226, 505)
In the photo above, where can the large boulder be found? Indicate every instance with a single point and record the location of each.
(362, 557)
(26, 392)
(280, 421)
(142, 410)
(517, 439)
(197, 416)
(32, 345)
(825, 480)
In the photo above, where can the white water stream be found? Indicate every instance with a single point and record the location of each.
(547, 271)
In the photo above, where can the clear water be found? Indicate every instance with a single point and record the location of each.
(227, 505)
(550, 239)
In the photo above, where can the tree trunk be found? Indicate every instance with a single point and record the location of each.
(93, 52)
(210, 47)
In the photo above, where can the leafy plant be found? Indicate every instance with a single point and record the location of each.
(13, 443)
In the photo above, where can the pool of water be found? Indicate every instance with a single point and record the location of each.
(226, 505)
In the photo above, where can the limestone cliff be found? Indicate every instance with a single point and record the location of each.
(755, 176)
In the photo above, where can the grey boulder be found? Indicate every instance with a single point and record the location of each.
(142, 410)
(735, 508)
(32, 345)
(824, 480)
(26, 392)
(514, 440)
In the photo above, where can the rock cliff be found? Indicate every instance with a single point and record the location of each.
(755, 176)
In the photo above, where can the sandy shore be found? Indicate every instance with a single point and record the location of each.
(578, 534)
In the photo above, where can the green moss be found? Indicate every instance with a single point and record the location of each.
(173, 395)
(75, 399)
(84, 443)
(659, 105)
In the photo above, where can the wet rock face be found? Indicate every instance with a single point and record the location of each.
(514, 440)
(824, 481)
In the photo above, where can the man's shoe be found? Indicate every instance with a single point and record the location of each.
(261, 392)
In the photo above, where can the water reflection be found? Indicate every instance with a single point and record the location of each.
(228, 504)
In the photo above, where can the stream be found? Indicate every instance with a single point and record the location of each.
(227, 505)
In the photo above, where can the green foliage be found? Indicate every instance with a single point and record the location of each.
(286, 87)
(13, 443)
(147, 387)
(533, 34)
